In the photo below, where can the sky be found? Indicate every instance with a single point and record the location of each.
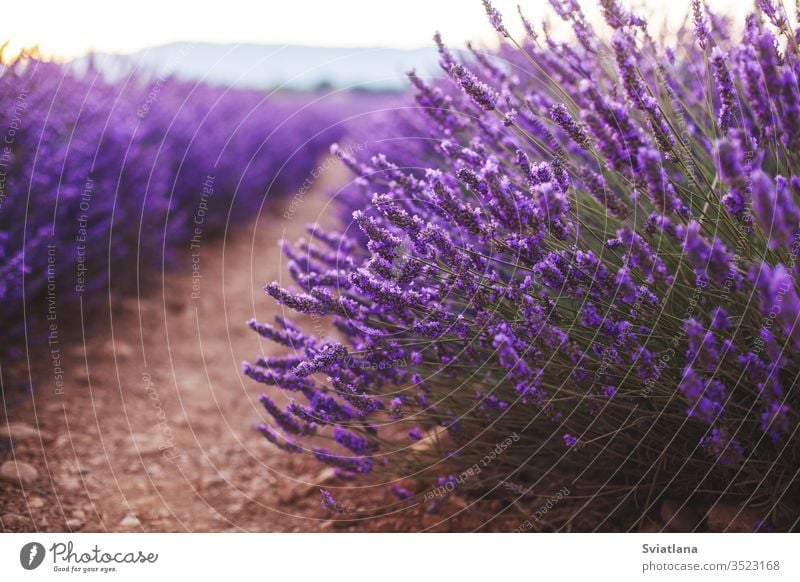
(65, 29)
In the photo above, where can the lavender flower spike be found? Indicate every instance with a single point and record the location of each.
(495, 18)
(727, 95)
(483, 95)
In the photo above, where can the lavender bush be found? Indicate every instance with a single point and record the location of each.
(103, 181)
(597, 266)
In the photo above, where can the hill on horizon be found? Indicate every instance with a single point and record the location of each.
(260, 66)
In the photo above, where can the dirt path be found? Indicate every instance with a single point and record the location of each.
(154, 429)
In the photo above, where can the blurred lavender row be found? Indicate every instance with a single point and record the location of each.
(103, 181)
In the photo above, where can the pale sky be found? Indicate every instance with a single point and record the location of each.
(68, 28)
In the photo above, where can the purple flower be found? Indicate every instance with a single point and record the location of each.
(607, 197)
(328, 502)
(626, 288)
(706, 399)
(710, 260)
(660, 189)
(703, 348)
(720, 320)
(726, 450)
(561, 116)
(617, 17)
(642, 256)
(286, 421)
(285, 444)
(495, 18)
(775, 210)
(735, 166)
(774, 11)
(356, 444)
(483, 95)
(527, 25)
(322, 359)
(727, 93)
(775, 420)
(700, 24)
(396, 407)
(779, 298)
(358, 465)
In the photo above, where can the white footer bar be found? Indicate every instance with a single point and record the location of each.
(402, 557)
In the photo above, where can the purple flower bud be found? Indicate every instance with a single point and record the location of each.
(779, 298)
(705, 399)
(284, 444)
(775, 210)
(727, 92)
(328, 502)
(357, 444)
(700, 24)
(495, 18)
(483, 95)
(561, 116)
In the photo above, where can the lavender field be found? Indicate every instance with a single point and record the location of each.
(549, 286)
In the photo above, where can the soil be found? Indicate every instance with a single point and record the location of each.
(153, 430)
